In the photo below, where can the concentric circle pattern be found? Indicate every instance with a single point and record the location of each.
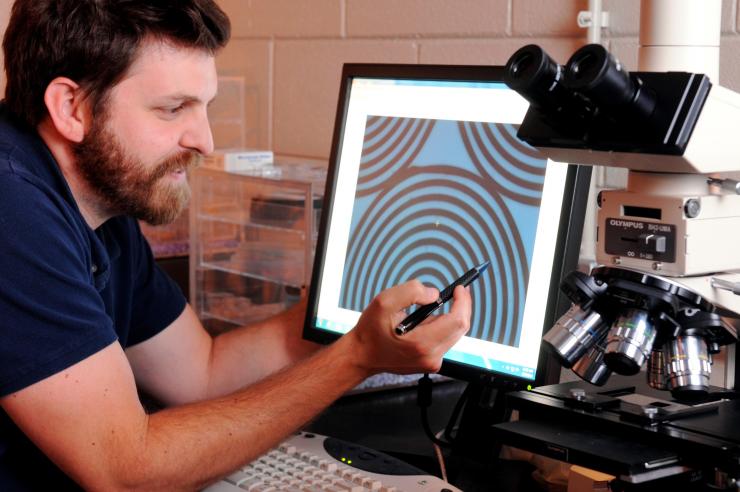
(435, 198)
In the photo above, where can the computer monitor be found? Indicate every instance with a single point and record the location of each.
(427, 179)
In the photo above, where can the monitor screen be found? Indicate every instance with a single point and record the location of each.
(428, 179)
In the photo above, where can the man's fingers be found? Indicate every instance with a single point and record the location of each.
(462, 305)
(404, 295)
(448, 328)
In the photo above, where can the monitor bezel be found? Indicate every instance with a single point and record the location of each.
(569, 231)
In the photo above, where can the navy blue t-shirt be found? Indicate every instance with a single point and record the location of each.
(66, 291)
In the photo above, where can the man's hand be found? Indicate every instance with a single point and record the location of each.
(379, 349)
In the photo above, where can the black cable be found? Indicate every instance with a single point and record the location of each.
(424, 400)
(430, 434)
(456, 414)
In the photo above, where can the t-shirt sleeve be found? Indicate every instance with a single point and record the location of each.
(51, 315)
(157, 299)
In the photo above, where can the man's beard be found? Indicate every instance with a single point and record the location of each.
(123, 185)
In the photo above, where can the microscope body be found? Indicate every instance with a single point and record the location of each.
(666, 243)
(665, 298)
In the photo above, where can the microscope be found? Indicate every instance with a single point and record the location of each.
(665, 298)
(663, 295)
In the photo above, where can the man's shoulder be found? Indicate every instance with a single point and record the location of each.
(35, 213)
(12, 156)
(21, 150)
(25, 191)
(30, 181)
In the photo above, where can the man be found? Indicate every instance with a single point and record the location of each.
(105, 111)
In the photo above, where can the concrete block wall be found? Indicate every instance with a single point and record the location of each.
(289, 55)
(305, 43)
(291, 51)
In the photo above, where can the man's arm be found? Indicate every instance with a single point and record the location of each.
(88, 419)
(183, 364)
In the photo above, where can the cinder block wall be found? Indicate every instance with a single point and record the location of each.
(291, 51)
(289, 54)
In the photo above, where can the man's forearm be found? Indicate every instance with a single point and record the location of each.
(190, 446)
(235, 363)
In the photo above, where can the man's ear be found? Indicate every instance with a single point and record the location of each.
(65, 103)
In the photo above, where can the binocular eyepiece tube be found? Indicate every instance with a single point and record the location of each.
(592, 82)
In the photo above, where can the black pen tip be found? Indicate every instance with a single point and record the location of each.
(482, 267)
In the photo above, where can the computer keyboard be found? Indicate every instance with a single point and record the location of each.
(309, 462)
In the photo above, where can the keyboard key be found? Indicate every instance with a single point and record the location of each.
(350, 475)
(279, 474)
(264, 488)
(375, 485)
(237, 477)
(333, 488)
(224, 486)
(250, 483)
(349, 487)
(287, 448)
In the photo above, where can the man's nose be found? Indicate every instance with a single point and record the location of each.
(198, 135)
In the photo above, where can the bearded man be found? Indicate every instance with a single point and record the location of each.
(105, 111)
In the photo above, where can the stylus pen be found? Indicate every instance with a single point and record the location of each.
(412, 320)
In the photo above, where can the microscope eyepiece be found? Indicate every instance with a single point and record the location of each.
(540, 80)
(533, 74)
(599, 76)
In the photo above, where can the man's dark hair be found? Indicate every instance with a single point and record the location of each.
(94, 42)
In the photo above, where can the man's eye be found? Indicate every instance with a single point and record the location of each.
(171, 110)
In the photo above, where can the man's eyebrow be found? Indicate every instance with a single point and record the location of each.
(185, 99)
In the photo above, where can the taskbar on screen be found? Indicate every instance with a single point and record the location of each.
(469, 359)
